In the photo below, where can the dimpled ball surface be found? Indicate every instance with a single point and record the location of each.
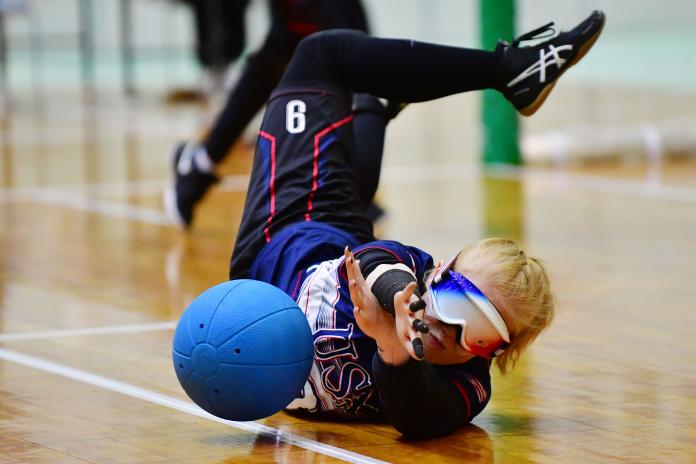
(243, 350)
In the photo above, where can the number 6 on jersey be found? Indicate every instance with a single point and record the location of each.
(295, 116)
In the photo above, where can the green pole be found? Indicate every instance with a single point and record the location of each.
(499, 118)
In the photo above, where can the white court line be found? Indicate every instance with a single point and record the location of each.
(598, 183)
(393, 174)
(52, 196)
(234, 183)
(114, 329)
(183, 406)
(556, 179)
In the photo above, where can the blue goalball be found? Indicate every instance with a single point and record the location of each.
(243, 350)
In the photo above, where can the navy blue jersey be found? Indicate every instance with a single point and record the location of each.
(306, 261)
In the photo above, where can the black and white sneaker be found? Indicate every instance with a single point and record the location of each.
(531, 72)
(190, 185)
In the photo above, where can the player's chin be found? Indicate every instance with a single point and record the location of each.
(443, 352)
(435, 351)
(431, 341)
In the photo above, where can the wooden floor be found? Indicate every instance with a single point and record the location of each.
(92, 281)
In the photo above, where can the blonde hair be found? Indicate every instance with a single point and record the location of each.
(518, 287)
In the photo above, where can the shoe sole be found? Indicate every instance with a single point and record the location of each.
(170, 208)
(536, 104)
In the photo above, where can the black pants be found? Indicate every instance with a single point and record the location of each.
(396, 69)
(291, 21)
(306, 161)
(399, 70)
(220, 31)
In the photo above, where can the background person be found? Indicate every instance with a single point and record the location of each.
(291, 21)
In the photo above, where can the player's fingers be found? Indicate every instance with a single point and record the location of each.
(420, 326)
(360, 279)
(405, 295)
(348, 255)
(417, 305)
(355, 295)
(409, 306)
(417, 345)
(355, 277)
(411, 325)
(414, 345)
(354, 290)
(353, 267)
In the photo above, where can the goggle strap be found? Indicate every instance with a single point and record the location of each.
(500, 349)
(446, 268)
(441, 275)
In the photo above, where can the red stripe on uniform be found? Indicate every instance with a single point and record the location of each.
(309, 288)
(480, 391)
(271, 183)
(297, 285)
(301, 28)
(465, 395)
(375, 247)
(315, 167)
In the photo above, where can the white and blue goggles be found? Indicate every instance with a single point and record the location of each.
(481, 329)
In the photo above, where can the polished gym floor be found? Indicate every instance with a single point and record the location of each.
(93, 280)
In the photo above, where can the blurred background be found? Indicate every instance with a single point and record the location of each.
(633, 99)
(94, 93)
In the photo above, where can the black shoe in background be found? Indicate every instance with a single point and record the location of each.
(190, 185)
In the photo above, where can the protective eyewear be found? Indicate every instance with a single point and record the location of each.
(457, 301)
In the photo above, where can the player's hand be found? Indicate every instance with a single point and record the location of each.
(372, 319)
(409, 309)
(369, 315)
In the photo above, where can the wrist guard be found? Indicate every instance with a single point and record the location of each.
(386, 280)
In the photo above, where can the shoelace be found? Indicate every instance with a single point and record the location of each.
(547, 30)
(546, 58)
